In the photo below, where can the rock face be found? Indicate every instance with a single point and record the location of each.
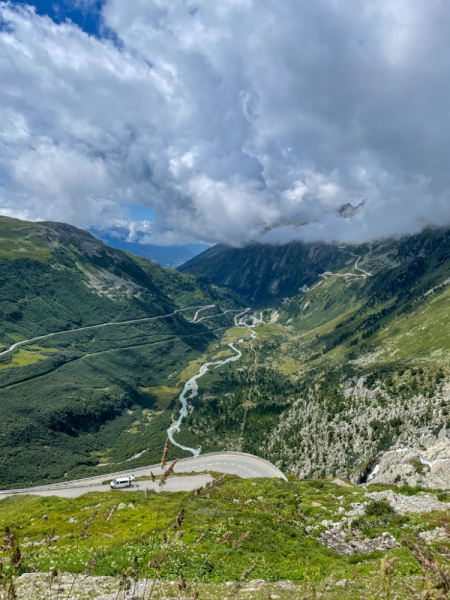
(427, 464)
(345, 543)
(420, 503)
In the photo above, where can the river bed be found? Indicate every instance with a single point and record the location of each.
(191, 390)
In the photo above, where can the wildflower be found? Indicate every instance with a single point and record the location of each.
(164, 456)
(158, 560)
(178, 520)
(182, 583)
(10, 591)
(48, 538)
(125, 582)
(226, 537)
(9, 540)
(109, 513)
(89, 522)
(169, 470)
(245, 574)
(90, 566)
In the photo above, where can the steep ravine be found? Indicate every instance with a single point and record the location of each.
(317, 438)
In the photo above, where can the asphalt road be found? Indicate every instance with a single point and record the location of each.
(116, 323)
(244, 465)
(173, 484)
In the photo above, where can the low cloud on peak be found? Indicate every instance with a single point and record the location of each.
(228, 118)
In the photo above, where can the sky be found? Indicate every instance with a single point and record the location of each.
(228, 121)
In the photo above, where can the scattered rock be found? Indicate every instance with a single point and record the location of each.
(108, 535)
(359, 509)
(130, 506)
(346, 541)
(435, 535)
(420, 503)
(121, 506)
(342, 582)
(73, 520)
(45, 518)
(315, 504)
(257, 582)
(56, 538)
(341, 482)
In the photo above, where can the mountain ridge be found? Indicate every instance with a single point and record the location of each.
(362, 346)
(88, 397)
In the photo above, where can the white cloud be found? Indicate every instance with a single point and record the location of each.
(229, 117)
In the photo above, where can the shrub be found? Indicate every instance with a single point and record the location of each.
(379, 508)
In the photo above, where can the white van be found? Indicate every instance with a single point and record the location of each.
(121, 482)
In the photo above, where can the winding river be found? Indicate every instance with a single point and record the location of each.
(191, 390)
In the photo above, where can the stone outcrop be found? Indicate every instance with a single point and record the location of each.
(427, 464)
(419, 503)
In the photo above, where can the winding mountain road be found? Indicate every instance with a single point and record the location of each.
(329, 274)
(41, 337)
(243, 465)
(194, 320)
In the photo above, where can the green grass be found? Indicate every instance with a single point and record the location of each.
(273, 512)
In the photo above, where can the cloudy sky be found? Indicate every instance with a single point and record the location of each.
(213, 120)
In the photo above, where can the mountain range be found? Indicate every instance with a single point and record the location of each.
(166, 256)
(101, 395)
(360, 335)
(349, 363)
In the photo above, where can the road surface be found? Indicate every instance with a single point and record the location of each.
(42, 337)
(173, 484)
(246, 466)
(328, 274)
(200, 310)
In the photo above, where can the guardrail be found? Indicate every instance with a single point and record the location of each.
(88, 481)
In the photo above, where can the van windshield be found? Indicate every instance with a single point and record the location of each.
(115, 481)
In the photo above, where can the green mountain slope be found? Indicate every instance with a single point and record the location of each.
(82, 398)
(261, 274)
(349, 364)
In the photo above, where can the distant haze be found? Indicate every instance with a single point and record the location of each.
(232, 120)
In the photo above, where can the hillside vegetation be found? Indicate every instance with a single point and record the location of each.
(352, 359)
(312, 534)
(76, 400)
